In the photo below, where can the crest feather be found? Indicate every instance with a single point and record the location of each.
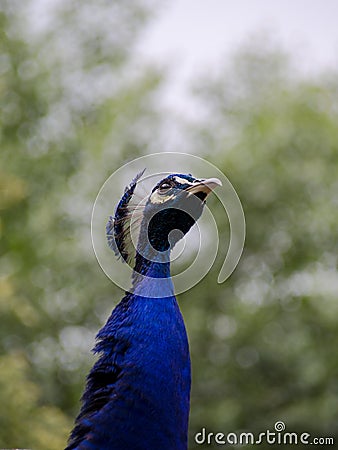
(118, 228)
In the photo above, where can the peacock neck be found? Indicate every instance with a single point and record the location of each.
(151, 276)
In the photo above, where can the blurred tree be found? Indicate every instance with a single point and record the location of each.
(74, 105)
(263, 344)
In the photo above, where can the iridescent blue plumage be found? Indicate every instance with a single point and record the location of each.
(137, 393)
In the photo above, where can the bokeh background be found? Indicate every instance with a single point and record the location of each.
(79, 98)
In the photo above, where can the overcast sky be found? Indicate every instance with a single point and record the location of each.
(191, 35)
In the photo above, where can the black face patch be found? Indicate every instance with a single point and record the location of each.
(163, 222)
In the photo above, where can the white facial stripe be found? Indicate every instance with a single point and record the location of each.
(182, 181)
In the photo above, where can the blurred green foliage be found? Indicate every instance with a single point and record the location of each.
(74, 107)
(263, 344)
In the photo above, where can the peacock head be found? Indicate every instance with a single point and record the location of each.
(173, 207)
(166, 215)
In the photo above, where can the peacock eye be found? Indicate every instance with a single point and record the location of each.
(164, 187)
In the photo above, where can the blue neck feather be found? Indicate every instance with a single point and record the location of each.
(137, 393)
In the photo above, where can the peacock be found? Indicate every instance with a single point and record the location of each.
(137, 395)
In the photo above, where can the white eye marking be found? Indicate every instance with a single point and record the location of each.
(156, 198)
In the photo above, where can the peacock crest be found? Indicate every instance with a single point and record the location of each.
(127, 218)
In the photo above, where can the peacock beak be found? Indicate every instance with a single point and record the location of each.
(205, 186)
